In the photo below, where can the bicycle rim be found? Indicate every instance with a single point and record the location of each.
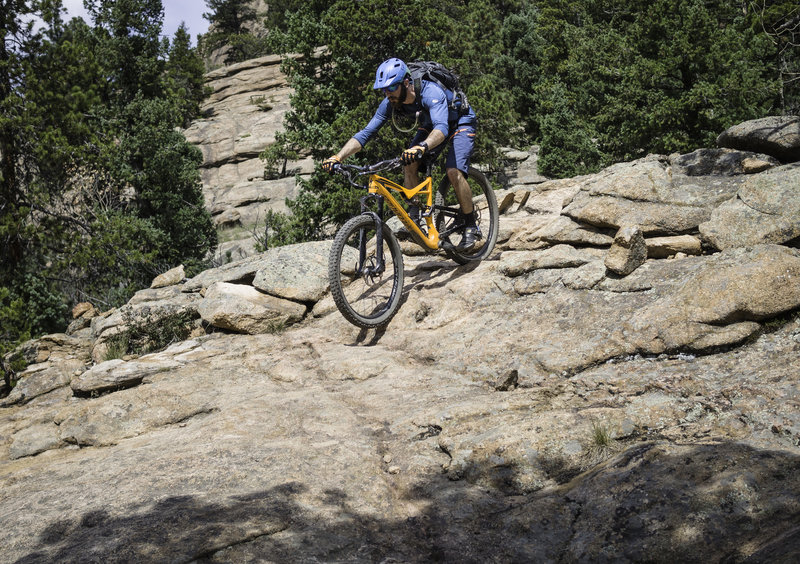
(365, 297)
(487, 217)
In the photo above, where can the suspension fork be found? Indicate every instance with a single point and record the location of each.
(377, 218)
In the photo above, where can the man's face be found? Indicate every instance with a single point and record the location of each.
(397, 96)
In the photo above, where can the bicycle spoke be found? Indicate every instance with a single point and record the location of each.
(486, 218)
(365, 294)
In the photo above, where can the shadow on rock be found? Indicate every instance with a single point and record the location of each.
(655, 502)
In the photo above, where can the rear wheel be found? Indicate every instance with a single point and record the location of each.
(487, 218)
(366, 292)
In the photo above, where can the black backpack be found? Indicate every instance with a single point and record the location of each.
(444, 77)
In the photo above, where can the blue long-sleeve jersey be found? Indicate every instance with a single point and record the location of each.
(433, 105)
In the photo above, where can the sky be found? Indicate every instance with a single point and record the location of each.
(175, 12)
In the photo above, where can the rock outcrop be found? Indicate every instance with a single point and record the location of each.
(778, 136)
(242, 115)
(538, 406)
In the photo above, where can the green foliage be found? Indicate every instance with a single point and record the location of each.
(163, 170)
(127, 41)
(567, 147)
(117, 347)
(779, 20)
(324, 203)
(15, 162)
(230, 16)
(244, 46)
(150, 333)
(31, 306)
(601, 446)
(117, 255)
(602, 436)
(229, 27)
(98, 190)
(15, 327)
(660, 76)
(183, 78)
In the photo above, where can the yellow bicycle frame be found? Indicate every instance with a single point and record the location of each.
(382, 186)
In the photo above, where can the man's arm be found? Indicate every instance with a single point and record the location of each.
(356, 142)
(350, 148)
(434, 100)
(435, 138)
(331, 163)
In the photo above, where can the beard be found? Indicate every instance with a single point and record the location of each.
(398, 103)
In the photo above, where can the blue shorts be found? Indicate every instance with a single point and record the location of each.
(461, 143)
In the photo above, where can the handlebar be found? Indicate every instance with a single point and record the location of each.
(351, 172)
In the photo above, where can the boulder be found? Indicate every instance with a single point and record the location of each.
(228, 218)
(720, 302)
(564, 230)
(664, 247)
(82, 315)
(523, 166)
(244, 309)
(169, 278)
(50, 348)
(722, 162)
(778, 136)
(628, 252)
(84, 310)
(117, 374)
(35, 439)
(648, 193)
(295, 272)
(39, 379)
(241, 271)
(561, 256)
(765, 210)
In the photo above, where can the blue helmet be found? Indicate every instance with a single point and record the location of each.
(391, 71)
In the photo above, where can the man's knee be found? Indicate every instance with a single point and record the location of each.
(454, 175)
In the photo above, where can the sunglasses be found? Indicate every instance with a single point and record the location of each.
(393, 87)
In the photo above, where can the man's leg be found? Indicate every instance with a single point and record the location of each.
(463, 143)
(411, 175)
(462, 146)
(463, 192)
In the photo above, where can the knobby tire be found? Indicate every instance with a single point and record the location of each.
(486, 212)
(366, 301)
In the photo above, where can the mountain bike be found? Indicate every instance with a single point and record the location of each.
(365, 267)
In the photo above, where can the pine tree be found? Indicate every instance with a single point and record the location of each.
(14, 164)
(183, 76)
(230, 16)
(230, 20)
(129, 45)
(567, 148)
(99, 192)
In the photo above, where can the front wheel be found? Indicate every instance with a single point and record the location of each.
(366, 284)
(487, 217)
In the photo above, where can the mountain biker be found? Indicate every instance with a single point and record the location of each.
(438, 124)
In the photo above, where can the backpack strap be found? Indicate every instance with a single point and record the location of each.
(422, 69)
